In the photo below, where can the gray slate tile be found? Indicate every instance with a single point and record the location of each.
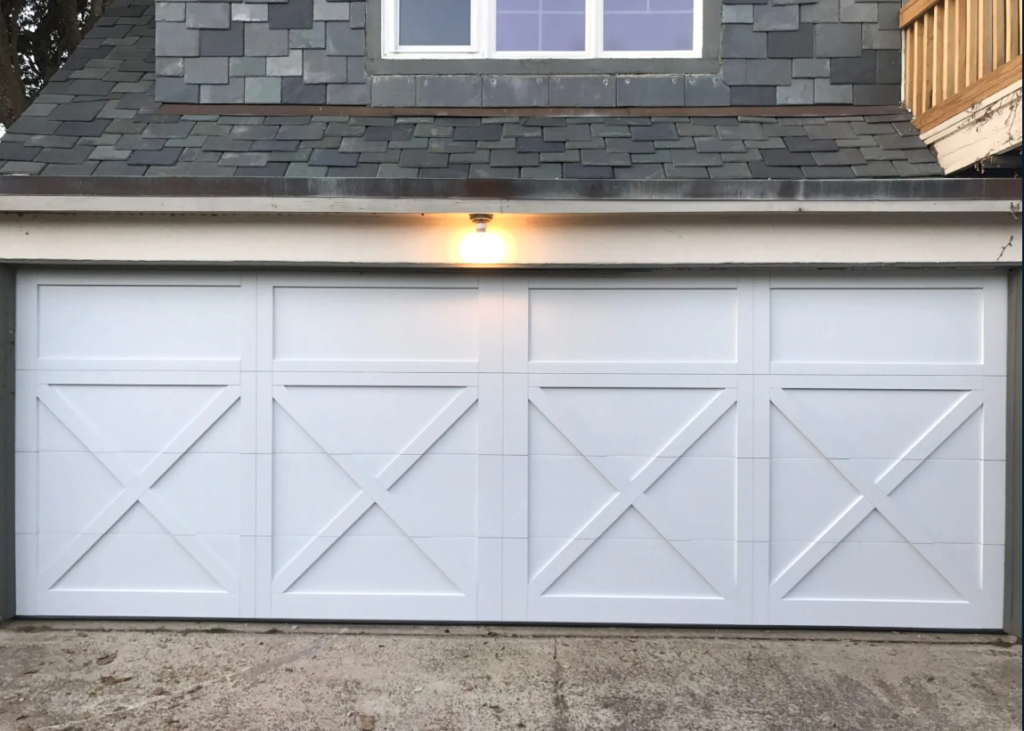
(591, 172)
(776, 17)
(423, 159)
(640, 172)
(515, 91)
(706, 91)
(799, 43)
(166, 156)
(449, 91)
(785, 158)
(334, 158)
(691, 158)
(582, 91)
(100, 108)
(513, 158)
(292, 15)
(806, 144)
(233, 41)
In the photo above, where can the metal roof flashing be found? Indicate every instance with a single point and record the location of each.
(397, 195)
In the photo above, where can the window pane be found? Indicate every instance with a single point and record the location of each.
(541, 25)
(434, 22)
(648, 25)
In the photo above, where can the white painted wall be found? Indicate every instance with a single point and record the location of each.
(867, 238)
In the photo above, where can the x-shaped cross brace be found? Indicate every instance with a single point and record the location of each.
(374, 489)
(137, 486)
(875, 495)
(631, 492)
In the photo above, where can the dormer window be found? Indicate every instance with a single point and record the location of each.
(541, 29)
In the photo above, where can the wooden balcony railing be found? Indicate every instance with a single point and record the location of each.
(957, 53)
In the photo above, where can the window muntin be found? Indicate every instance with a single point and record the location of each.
(541, 25)
(648, 25)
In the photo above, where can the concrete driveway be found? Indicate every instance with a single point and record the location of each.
(247, 677)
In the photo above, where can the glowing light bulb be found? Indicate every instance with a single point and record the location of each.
(481, 246)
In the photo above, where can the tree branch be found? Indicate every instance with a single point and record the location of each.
(12, 88)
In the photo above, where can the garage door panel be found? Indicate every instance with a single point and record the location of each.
(63, 510)
(622, 501)
(629, 326)
(807, 496)
(949, 403)
(699, 499)
(138, 554)
(651, 581)
(565, 493)
(218, 482)
(376, 565)
(113, 412)
(382, 419)
(893, 326)
(137, 565)
(52, 435)
(696, 498)
(953, 612)
(380, 494)
(619, 456)
(211, 480)
(125, 507)
(904, 592)
(863, 512)
(865, 423)
(127, 575)
(652, 325)
(135, 321)
(377, 323)
(633, 568)
(621, 421)
(882, 324)
(439, 494)
(820, 449)
(399, 608)
(307, 490)
(396, 577)
(876, 571)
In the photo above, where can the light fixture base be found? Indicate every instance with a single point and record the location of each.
(480, 220)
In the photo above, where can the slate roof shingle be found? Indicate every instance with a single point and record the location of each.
(98, 117)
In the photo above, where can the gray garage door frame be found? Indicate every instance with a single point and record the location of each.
(1014, 559)
(7, 298)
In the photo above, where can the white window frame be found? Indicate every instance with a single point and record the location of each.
(483, 37)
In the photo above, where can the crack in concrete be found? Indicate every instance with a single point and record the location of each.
(560, 722)
(303, 654)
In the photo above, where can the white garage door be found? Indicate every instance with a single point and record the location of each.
(726, 449)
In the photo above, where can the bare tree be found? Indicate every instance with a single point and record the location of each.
(36, 37)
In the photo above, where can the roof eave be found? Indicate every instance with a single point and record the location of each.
(396, 195)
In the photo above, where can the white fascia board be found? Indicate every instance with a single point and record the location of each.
(570, 241)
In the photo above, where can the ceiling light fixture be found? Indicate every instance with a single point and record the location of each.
(481, 246)
(480, 220)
